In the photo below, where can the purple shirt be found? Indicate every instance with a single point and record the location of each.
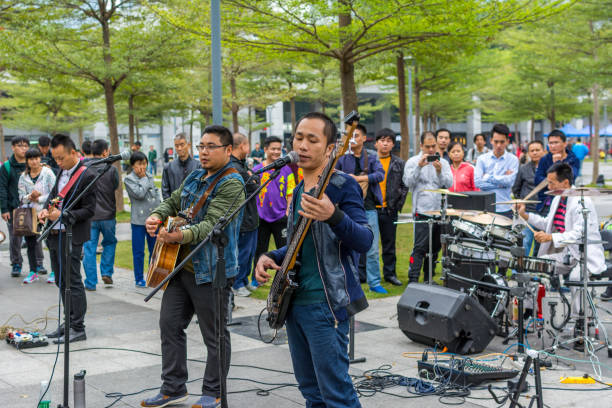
(272, 200)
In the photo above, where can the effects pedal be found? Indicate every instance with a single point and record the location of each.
(24, 340)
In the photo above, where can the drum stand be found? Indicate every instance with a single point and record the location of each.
(586, 301)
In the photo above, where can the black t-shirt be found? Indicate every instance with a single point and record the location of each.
(369, 202)
(35, 179)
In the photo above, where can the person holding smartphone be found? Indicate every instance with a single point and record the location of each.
(425, 171)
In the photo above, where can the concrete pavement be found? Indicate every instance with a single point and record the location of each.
(118, 318)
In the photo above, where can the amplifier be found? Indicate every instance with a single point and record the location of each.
(475, 200)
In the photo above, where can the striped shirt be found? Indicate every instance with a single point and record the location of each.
(559, 219)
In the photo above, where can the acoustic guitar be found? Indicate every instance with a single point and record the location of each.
(164, 256)
(284, 283)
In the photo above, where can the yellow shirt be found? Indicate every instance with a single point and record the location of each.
(385, 161)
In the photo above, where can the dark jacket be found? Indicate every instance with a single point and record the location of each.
(9, 195)
(524, 183)
(250, 219)
(50, 161)
(106, 207)
(376, 173)
(337, 245)
(175, 173)
(545, 163)
(396, 190)
(84, 209)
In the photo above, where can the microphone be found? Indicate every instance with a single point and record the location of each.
(112, 158)
(291, 157)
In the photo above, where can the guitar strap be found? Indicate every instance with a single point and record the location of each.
(73, 179)
(196, 209)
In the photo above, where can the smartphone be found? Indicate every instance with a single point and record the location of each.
(433, 157)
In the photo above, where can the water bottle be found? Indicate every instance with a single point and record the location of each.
(45, 402)
(79, 390)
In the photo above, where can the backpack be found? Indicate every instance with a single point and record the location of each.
(7, 167)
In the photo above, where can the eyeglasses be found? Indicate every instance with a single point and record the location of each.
(210, 148)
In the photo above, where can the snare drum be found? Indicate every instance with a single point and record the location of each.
(469, 250)
(467, 227)
(495, 301)
(537, 265)
(503, 233)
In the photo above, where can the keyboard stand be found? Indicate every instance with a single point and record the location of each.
(532, 357)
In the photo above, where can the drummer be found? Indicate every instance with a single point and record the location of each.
(425, 172)
(564, 222)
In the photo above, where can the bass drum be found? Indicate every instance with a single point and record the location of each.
(494, 301)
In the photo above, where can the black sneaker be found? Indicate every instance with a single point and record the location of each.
(56, 333)
(607, 295)
(16, 270)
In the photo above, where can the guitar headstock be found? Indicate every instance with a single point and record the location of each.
(351, 121)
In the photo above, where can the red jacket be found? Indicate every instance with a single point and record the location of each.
(463, 178)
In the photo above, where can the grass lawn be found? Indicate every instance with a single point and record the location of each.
(403, 249)
(123, 256)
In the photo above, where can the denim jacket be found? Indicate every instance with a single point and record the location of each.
(224, 198)
(337, 246)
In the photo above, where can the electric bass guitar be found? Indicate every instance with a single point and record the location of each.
(284, 283)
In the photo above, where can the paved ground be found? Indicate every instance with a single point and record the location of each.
(118, 317)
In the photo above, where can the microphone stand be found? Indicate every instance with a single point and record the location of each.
(66, 276)
(219, 239)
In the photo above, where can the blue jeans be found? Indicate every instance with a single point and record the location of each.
(247, 242)
(320, 357)
(152, 168)
(139, 234)
(372, 257)
(528, 241)
(107, 260)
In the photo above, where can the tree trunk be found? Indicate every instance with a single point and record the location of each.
(111, 114)
(553, 113)
(401, 90)
(2, 149)
(191, 131)
(80, 136)
(322, 98)
(532, 130)
(136, 128)
(347, 67)
(131, 118)
(292, 109)
(595, 138)
(234, 104)
(250, 129)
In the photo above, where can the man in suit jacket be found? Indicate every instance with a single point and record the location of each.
(65, 154)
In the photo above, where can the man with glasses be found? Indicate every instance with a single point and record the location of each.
(190, 291)
(175, 172)
(9, 198)
(496, 171)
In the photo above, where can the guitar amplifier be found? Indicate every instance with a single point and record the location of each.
(475, 200)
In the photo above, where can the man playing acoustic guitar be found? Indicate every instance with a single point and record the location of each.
(329, 291)
(191, 290)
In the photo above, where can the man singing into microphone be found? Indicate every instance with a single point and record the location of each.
(191, 290)
(272, 201)
(329, 291)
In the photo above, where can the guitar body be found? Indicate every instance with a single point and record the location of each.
(277, 314)
(162, 262)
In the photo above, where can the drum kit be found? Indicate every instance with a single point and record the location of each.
(493, 240)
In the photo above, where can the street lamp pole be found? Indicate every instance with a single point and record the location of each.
(215, 26)
(410, 124)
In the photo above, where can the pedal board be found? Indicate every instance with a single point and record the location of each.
(25, 340)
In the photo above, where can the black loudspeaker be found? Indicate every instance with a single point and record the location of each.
(475, 200)
(432, 314)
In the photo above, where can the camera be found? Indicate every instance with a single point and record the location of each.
(433, 158)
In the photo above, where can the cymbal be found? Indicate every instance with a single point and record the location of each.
(580, 191)
(489, 218)
(518, 201)
(453, 212)
(579, 242)
(447, 192)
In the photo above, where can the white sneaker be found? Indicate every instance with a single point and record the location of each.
(251, 287)
(242, 292)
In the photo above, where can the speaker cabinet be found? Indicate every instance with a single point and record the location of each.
(475, 200)
(432, 314)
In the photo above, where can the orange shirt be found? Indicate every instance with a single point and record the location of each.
(385, 161)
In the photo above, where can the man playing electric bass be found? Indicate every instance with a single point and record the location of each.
(191, 290)
(329, 291)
